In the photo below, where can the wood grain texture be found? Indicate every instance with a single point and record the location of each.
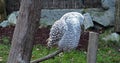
(92, 47)
(117, 16)
(25, 29)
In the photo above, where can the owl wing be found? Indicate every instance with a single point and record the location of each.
(56, 32)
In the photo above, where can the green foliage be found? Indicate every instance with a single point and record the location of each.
(5, 40)
(4, 49)
(67, 57)
(105, 55)
(109, 43)
(108, 50)
(108, 55)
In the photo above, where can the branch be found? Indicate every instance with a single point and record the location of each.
(47, 57)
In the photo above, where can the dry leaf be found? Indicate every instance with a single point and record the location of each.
(1, 59)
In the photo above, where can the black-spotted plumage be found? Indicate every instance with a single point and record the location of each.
(66, 31)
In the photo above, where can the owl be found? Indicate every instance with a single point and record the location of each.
(65, 32)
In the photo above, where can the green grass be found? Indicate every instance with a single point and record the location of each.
(66, 57)
(4, 49)
(107, 53)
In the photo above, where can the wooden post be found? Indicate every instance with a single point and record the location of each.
(23, 37)
(117, 16)
(92, 47)
(2, 10)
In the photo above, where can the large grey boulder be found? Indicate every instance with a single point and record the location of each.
(107, 4)
(88, 21)
(105, 18)
(48, 16)
(12, 18)
(5, 23)
(100, 16)
(112, 37)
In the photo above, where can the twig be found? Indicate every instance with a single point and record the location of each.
(47, 57)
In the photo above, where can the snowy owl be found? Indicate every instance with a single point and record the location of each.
(65, 32)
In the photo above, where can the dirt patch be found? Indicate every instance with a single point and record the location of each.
(42, 35)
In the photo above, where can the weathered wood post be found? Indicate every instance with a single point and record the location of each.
(117, 16)
(23, 37)
(92, 47)
(2, 10)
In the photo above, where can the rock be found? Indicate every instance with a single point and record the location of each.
(88, 21)
(119, 50)
(105, 18)
(102, 17)
(5, 23)
(107, 4)
(48, 17)
(13, 17)
(112, 37)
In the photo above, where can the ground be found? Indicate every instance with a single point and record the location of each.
(105, 55)
(107, 52)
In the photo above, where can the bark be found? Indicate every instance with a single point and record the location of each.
(27, 24)
(2, 10)
(117, 17)
(92, 47)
